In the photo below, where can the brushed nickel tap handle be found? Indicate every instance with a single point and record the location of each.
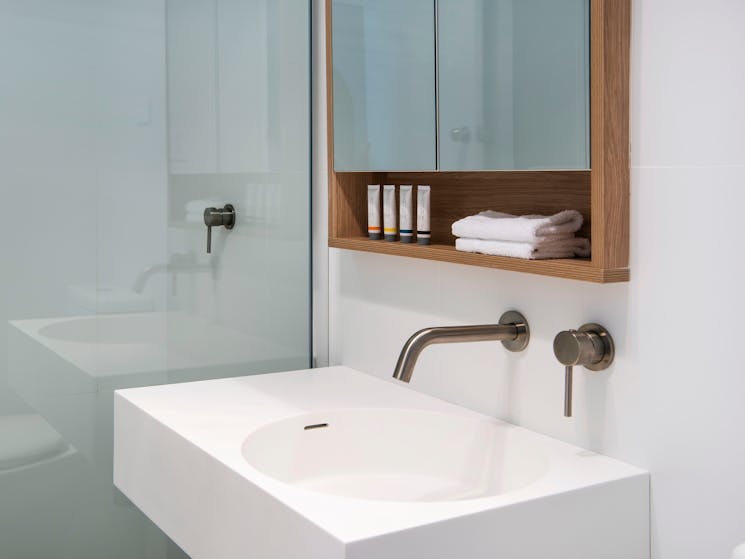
(568, 381)
(591, 347)
(214, 217)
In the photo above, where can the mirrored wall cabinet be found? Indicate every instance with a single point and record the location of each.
(519, 106)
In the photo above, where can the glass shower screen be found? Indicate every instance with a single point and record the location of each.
(121, 121)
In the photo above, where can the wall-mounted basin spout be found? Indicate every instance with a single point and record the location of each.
(179, 263)
(512, 331)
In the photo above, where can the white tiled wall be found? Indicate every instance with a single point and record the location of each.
(674, 402)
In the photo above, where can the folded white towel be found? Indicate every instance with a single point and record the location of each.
(496, 226)
(562, 248)
(739, 552)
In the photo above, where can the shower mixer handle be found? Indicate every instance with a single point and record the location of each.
(591, 347)
(218, 217)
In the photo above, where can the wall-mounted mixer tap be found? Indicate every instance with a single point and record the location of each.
(512, 331)
(217, 217)
(179, 263)
(591, 346)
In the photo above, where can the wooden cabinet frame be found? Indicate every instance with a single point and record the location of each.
(601, 194)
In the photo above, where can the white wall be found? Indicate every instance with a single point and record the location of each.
(673, 401)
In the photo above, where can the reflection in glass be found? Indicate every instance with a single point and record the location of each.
(384, 76)
(514, 84)
(122, 120)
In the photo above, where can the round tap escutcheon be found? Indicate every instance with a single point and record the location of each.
(591, 346)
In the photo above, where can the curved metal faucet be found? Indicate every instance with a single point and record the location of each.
(179, 262)
(512, 331)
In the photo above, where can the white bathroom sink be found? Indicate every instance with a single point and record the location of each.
(116, 329)
(123, 350)
(334, 464)
(66, 368)
(396, 455)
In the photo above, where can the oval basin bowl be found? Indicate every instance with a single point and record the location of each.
(396, 455)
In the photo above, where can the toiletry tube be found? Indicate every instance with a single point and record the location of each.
(373, 212)
(423, 233)
(406, 213)
(390, 228)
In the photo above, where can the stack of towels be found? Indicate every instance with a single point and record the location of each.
(534, 237)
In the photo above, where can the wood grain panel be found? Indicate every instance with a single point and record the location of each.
(610, 63)
(350, 212)
(578, 269)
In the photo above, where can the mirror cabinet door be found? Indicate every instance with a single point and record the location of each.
(383, 85)
(514, 84)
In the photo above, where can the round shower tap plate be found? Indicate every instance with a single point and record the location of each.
(607, 339)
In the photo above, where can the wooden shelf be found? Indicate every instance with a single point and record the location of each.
(600, 194)
(459, 194)
(578, 269)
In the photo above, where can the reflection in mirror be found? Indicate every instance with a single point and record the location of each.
(384, 76)
(513, 84)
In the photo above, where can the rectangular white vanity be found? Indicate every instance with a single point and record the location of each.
(333, 463)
